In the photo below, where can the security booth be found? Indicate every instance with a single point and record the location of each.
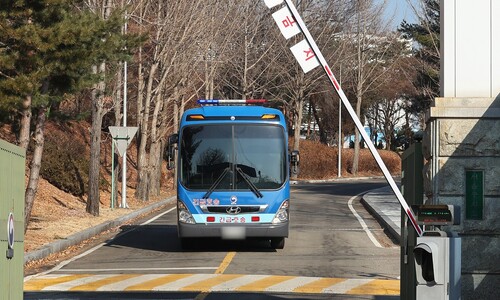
(12, 169)
(437, 254)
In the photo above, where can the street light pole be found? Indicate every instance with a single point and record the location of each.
(340, 144)
(124, 162)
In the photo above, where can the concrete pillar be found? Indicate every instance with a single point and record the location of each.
(462, 141)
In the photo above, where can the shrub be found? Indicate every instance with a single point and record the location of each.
(318, 161)
(65, 163)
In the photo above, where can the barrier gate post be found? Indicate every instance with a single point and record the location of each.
(412, 188)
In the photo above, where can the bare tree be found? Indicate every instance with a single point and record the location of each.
(170, 57)
(372, 42)
(325, 20)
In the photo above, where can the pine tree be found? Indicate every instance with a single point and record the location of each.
(426, 34)
(47, 50)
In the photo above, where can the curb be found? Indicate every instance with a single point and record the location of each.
(293, 182)
(90, 232)
(392, 229)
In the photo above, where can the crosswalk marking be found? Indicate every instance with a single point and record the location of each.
(134, 279)
(263, 283)
(206, 285)
(94, 285)
(73, 284)
(155, 281)
(211, 283)
(291, 284)
(378, 287)
(318, 286)
(179, 284)
(39, 284)
(235, 283)
(345, 286)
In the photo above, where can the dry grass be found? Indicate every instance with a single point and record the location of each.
(57, 215)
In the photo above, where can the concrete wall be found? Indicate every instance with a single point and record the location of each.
(463, 135)
(470, 48)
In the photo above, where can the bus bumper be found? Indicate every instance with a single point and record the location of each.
(232, 231)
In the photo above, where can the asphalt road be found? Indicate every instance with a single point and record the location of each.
(334, 244)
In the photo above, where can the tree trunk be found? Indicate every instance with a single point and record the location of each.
(35, 166)
(355, 162)
(297, 122)
(323, 138)
(95, 147)
(155, 149)
(24, 131)
(155, 159)
(142, 189)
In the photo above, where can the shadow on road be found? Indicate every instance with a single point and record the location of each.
(164, 238)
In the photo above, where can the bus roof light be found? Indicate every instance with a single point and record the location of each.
(195, 117)
(232, 102)
(268, 116)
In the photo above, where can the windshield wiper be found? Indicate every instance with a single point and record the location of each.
(216, 183)
(252, 186)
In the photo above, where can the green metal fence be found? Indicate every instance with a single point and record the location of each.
(12, 172)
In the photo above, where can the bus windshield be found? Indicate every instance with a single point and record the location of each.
(233, 157)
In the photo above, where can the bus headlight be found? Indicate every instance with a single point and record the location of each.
(184, 214)
(282, 214)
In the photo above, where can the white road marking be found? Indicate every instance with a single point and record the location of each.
(138, 269)
(362, 222)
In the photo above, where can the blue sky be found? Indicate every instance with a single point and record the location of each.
(401, 11)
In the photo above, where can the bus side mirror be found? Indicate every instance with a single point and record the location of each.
(295, 157)
(294, 161)
(172, 141)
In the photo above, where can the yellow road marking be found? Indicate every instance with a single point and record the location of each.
(264, 283)
(225, 262)
(39, 284)
(151, 284)
(318, 285)
(94, 285)
(206, 285)
(377, 287)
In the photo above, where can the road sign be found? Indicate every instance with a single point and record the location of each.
(122, 136)
(10, 231)
(305, 56)
(272, 3)
(286, 23)
(306, 67)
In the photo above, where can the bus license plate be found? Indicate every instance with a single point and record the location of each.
(232, 220)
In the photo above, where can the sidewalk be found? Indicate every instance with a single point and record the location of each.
(385, 207)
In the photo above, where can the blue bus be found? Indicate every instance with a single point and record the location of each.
(233, 172)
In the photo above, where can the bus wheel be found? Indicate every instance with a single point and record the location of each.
(278, 243)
